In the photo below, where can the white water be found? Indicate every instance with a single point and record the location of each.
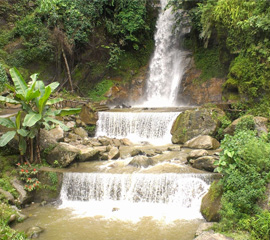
(153, 127)
(132, 196)
(167, 65)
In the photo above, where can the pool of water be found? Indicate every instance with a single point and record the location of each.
(64, 224)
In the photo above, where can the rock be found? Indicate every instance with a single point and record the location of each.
(89, 154)
(64, 153)
(211, 203)
(24, 197)
(202, 142)
(81, 132)
(260, 124)
(141, 161)
(101, 149)
(88, 115)
(204, 163)
(71, 124)
(197, 153)
(12, 218)
(126, 142)
(174, 148)
(57, 133)
(192, 123)
(34, 232)
(105, 141)
(116, 142)
(158, 151)
(95, 142)
(104, 156)
(203, 227)
(212, 236)
(7, 195)
(136, 152)
(47, 141)
(114, 153)
(191, 93)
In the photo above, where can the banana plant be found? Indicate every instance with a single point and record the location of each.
(35, 100)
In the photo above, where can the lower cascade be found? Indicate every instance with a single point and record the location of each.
(167, 195)
(153, 127)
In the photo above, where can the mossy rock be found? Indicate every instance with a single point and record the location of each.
(51, 182)
(211, 203)
(192, 123)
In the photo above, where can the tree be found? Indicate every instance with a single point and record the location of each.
(36, 113)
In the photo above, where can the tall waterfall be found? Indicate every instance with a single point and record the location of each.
(153, 127)
(175, 196)
(167, 65)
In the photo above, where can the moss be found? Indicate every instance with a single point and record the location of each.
(208, 61)
(98, 91)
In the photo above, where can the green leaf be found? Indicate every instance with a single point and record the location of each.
(31, 95)
(6, 138)
(22, 146)
(31, 119)
(22, 132)
(7, 123)
(20, 84)
(53, 85)
(18, 120)
(8, 100)
(42, 101)
(68, 111)
(10, 87)
(62, 125)
(54, 101)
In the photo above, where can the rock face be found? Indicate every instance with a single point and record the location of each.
(211, 203)
(260, 124)
(198, 93)
(192, 123)
(202, 142)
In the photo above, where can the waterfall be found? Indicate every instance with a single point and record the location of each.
(153, 127)
(168, 62)
(135, 195)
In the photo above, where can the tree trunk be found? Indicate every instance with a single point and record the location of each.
(68, 70)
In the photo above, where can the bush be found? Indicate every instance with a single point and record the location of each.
(245, 165)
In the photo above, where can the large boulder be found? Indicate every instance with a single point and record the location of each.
(63, 153)
(197, 153)
(212, 236)
(141, 161)
(81, 132)
(202, 142)
(114, 153)
(211, 203)
(89, 154)
(204, 163)
(47, 140)
(24, 197)
(260, 124)
(88, 115)
(192, 123)
(7, 195)
(57, 133)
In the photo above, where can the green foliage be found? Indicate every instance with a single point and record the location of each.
(35, 102)
(225, 122)
(3, 78)
(97, 93)
(208, 61)
(245, 165)
(260, 226)
(246, 123)
(7, 233)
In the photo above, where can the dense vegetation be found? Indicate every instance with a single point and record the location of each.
(76, 42)
(238, 31)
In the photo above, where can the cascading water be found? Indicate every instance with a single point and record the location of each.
(170, 196)
(168, 62)
(153, 127)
